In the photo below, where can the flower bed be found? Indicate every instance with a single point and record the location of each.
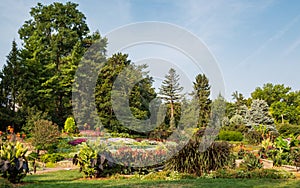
(90, 133)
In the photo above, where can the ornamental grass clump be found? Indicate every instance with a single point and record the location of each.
(192, 161)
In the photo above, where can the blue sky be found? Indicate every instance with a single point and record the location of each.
(254, 42)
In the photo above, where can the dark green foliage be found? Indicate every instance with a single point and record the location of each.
(32, 156)
(288, 129)
(139, 97)
(10, 83)
(230, 110)
(84, 93)
(107, 76)
(239, 100)
(202, 94)
(230, 136)
(191, 160)
(270, 93)
(53, 41)
(33, 115)
(13, 163)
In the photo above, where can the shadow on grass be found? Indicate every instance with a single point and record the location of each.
(72, 179)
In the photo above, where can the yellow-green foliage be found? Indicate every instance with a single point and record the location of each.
(13, 163)
(70, 126)
(10, 150)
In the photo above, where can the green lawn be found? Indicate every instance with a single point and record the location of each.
(71, 179)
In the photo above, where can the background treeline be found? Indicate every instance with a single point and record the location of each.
(37, 79)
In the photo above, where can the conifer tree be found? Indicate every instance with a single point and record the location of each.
(10, 86)
(170, 93)
(202, 93)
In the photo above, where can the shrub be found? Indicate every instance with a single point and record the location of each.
(253, 137)
(45, 134)
(230, 136)
(251, 162)
(236, 123)
(160, 134)
(50, 165)
(13, 164)
(64, 146)
(281, 154)
(288, 129)
(295, 155)
(32, 156)
(91, 159)
(70, 126)
(191, 160)
(53, 157)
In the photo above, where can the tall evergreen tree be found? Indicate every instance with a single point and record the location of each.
(54, 41)
(139, 95)
(84, 91)
(240, 101)
(10, 86)
(259, 114)
(170, 92)
(106, 78)
(202, 93)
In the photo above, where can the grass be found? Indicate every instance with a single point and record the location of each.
(72, 179)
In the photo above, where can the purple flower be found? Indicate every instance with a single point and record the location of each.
(77, 141)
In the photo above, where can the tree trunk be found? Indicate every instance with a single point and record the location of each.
(34, 163)
(172, 119)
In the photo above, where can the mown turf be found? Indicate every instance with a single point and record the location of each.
(72, 179)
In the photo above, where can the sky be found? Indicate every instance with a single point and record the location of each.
(254, 42)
